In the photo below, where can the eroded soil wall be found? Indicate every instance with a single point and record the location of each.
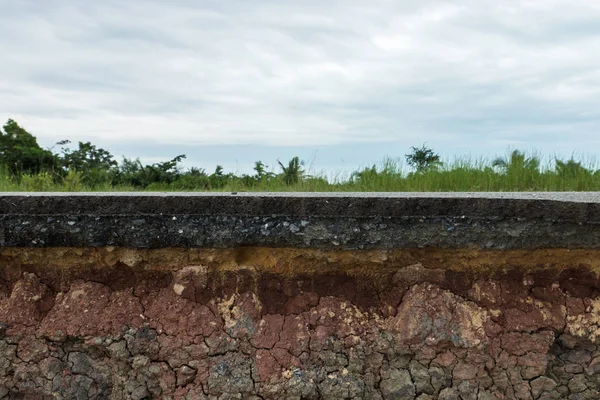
(267, 323)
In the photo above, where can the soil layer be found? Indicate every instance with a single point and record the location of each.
(290, 323)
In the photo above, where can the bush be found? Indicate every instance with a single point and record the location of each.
(423, 158)
(42, 182)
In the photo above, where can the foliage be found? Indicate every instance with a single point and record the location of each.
(93, 163)
(25, 166)
(134, 173)
(20, 152)
(517, 161)
(570, 169)
(41, 182)
(292, 174)
(423, 158)
(88, 157)
(195, 178)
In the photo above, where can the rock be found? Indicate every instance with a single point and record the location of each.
(594, 367)
(425, 397)
(577, 384)
(445, 359)
(118, 350)
(542, 384)
(431, 315)
(568, 341)
(231, 373)
(73, 386)
(449, 394)
(417, 273)
(421, 377)
(190, 280)
(577, 356)
(269, 328)
(398, 386)
(139, 362)
(31, 349)
(185, 375)
(573, 368)
(139, 393)
(144, 342)
(439, 379)
(80, 363)
(485, 395)
(27, 302)
(468, 390)
(465, 371)
(50, 367)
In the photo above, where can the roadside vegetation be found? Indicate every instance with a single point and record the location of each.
(25, 166)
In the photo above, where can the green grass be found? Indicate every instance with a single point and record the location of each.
(391, 175)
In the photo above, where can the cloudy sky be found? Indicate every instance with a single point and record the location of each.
(339, 83)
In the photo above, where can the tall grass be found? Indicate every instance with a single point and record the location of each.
(391, 175)
(49, 182)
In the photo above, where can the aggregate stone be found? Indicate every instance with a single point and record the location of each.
(398, 386)
(322, 334)
(421, 378)
(578, 384)
(542, 384)
(449, 394)
(301, 220)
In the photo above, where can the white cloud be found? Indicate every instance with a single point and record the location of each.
(302, 72)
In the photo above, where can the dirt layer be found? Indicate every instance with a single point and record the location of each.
(264, 323)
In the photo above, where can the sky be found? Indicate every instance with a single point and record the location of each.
(341, 84)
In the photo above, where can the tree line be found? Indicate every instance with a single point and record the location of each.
(87, 166)
(21, 155)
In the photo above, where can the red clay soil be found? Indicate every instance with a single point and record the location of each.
(262, 323)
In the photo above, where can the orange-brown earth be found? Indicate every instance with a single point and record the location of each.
(265, 323)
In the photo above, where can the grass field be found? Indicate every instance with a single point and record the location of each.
(520, 173)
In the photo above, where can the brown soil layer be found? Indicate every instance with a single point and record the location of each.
(265, 323)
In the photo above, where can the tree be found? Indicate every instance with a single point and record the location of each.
(93, 163)
(21, 153)
(260, 169)
(132, 172)
(87, 158)
(423, 158)
(516, 162)
(571, 169)
(293, 173)
(261, 172)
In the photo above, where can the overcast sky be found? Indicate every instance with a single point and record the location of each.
(339, 83)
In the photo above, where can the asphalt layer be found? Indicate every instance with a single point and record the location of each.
(571, 206)
(579, 197)
(321, 220)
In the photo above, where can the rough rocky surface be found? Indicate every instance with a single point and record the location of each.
(337, 296)
(266, 324)
(327, 221)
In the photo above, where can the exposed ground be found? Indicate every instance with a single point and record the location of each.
(240, 296)
(271, 323)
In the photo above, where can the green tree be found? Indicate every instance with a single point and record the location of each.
(219, 179)
(21, 153)
(94, 163)
(293, 173)
(570, 169)
(88, 157)
(261, 172)
(517, 162)
(423, 158)
(260, 169)
(194, 178)
(133, 172)
(518, 171)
